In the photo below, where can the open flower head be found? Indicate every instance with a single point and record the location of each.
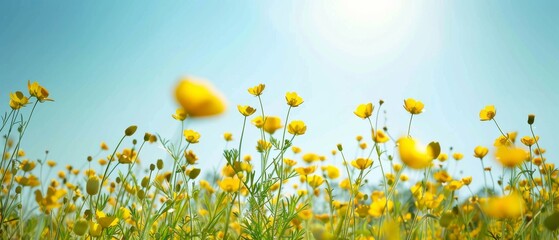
(487, 113)
(199, 98)
(380, 136)
(511, 156)
(18, 100)
(364, 110)
(246, 110)
(180, 114)
(361, 163)
(293, 99)
(413, 106)
(297, 127)
(191, 136)
(416, 156)
(271, 124)
(38, 91)
(257, 90)
(480, 152)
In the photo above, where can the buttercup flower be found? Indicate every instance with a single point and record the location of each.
(180, 114)
(246, 110)
(257, 90)
(191, 136)
(297, 127)
(228, 136)
(198, 98)
(18, 100)
(380, 136)
(529, 141)
(271, 124)
(511, 156)
(364, 110)
(293, 99)
(315, 180)
(415, 156)
(487, 113)
(38, 91)
(362, 163)
(230, 184)
(480, 152)
(413, 106)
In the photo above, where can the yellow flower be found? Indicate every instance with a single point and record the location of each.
(127, 156)
(364, 110)
(413, 106)
(246, 110)
(27, 165)
(258, 121)
(487, 113)
(262, 145)
(191, 136)
(510, 156)
(310, 157)
(31, 181)
(95, 229)
(257, 90)
(230, 184)
(92, 185)
(467, 180)
(480, 152)
(228, 136)
(295, 149)
(511, 206)
(380, 137)
(331, 171)
(457, 156)
(106, 221)
(362, 163)
(529, 141)
(36, 90)
(442, 176)
(315, 180)
(104, 146)
(50, 200)
(271, 124)
(199, 98)
(18, 100)
(180, 114)
(305, 170)
(293, 99)
(297, 127)
(416, 156)
(379, 206)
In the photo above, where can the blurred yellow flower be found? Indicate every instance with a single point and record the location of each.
(362, 163)
(315, 180)
(380, 136)
(457, 156)
(511, 156)
(191, 136)
(95, 229)
(180, 114)
(416, 156)
(199, 98)
(18, 100)
(271, 124)
(36, 90)
(230, 184)
(257, 90)
(258, 121)
(228, 136)
(364, 110)
(413, 106)
(51, 200)
(310, 157)
(30, 181)
(511, 206)
(480, 152)
(331, 171)
(293, 99)
(106, 221)
(297, 127)
(246, 110)
(305, 170)
(127, 156)
(487, 113)
(262, 145)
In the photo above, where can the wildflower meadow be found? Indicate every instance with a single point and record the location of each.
(279, 192)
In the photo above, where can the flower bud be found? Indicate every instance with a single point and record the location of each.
(81, 227)
(146, 137)
(130, 130)
(531, 118)
(92, 186)
(339, 146)
(159, 164)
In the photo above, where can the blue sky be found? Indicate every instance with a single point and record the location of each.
(110, 64)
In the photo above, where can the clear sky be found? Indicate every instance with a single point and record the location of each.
(110, 64)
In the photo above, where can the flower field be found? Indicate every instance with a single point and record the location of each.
(278, 192)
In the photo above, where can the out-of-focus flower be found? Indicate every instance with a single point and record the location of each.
(230, 184)
(315, 180)
(271, 124)
(511, 156)
(199, 98)
(457, 156)
(413, 106)
(416, 156)
(127, 156)
(293, 99)
(362, 163)
(529, 141)
(364, 110)
(228, 136)
(380, 136)
(297, 127)
(511, 206)
(487, 113)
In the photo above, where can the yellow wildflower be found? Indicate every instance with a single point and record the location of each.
(246, 110)
(297, 127)
(293, 99)
(415, 156)
(364, 110)
(413, 106)
(18, 100)
(362, 163)
(199, 98)
(180, 114)
(487, 113)
(36, 90)
(257, 90)
(191, 136)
